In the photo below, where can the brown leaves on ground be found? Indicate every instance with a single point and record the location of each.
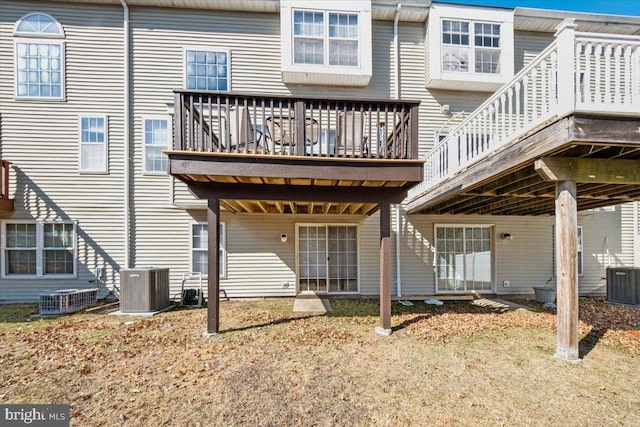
(270, 366)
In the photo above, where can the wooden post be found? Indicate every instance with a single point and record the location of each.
(565, 38)
(213, 271)
(385, 270)
(567, 271)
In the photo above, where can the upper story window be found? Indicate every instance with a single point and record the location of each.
(93, 144)
(325, 38)
(39, 64)
(206, 69)
(459, 49)
(156, 140)
(470, 48)
(327, 43)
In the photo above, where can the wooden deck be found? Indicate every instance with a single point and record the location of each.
(6, 203)
(269, 154)
(508, 183)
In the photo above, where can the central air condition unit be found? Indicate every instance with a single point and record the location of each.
(144, 289)
(623, 285)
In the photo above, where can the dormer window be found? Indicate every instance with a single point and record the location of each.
(39, 57)
(326, 46)
(470, 48)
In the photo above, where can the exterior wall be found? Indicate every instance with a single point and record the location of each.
(527, 259)
(45, 174)
(48, 186)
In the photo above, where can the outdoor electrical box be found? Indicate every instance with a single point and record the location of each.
(623, 285)
(144, 289)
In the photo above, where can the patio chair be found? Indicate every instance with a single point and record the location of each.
(281, 132)
(351, 138)
(242, 133)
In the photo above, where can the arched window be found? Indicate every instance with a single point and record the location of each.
(39, 63)
(38, 24)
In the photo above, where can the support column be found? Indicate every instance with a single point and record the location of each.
(213, 271)
(567, 271)
(385, 270)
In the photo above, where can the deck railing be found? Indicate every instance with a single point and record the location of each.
(577, 72)
(4, 179)
(218, 122)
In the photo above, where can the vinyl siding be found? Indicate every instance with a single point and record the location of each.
(48, 186)
(259, 263)
(41, 139)
(527, 259)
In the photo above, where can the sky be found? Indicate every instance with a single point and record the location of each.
(614, 7)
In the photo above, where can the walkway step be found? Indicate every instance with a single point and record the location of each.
(309, 302)
(499, 304)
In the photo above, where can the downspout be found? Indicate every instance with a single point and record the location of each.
(126, 131)
(396, 89)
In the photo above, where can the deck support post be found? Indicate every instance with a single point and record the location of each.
(385, 270)
(567, 271)
(213, 270)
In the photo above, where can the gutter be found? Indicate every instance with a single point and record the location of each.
(127, 132)
(396, 90)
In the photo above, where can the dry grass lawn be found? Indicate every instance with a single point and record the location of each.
(452, 365)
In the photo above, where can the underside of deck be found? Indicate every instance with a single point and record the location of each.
(605, 151)
(290, 184)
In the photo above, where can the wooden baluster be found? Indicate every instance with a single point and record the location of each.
(586, 88)
(525, 100)
(534, 94)
(617, 90)
(598, 78)
(518, 123)
(578, 72)
(607, 74)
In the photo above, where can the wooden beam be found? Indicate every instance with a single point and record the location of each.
(279, 207)
(295, 168)
(245, 206)
(292, 206)
(567, 271)
(385, 270)
(606, 130)
(261, 205)
(213, 270)
(298, 193)
(228, 206)
(603, 171)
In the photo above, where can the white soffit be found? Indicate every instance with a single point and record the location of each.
(542, 20)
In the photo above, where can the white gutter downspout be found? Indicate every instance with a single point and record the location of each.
(396, 89)
(126, 131)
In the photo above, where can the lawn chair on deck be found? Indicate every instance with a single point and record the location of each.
(351, 138)
(242, 134)
(281, 131)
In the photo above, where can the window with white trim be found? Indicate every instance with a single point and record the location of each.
(325, 38)
(38, 249)
(200, 249)
(155, 141)
(471, 48)
(93, 144)
(326, 43)
(459, 49)
(39, 64)
(463, 258)
(206, 69)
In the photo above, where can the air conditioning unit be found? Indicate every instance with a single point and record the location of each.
(144, 289)
(623, 285)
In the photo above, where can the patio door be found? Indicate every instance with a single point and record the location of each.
(328, 258)
(463, 258)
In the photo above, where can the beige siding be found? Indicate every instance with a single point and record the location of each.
(259, 263)
(526, 260)
(527, 45)
(41, 139)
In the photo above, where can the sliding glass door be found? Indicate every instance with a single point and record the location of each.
(328, 258)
